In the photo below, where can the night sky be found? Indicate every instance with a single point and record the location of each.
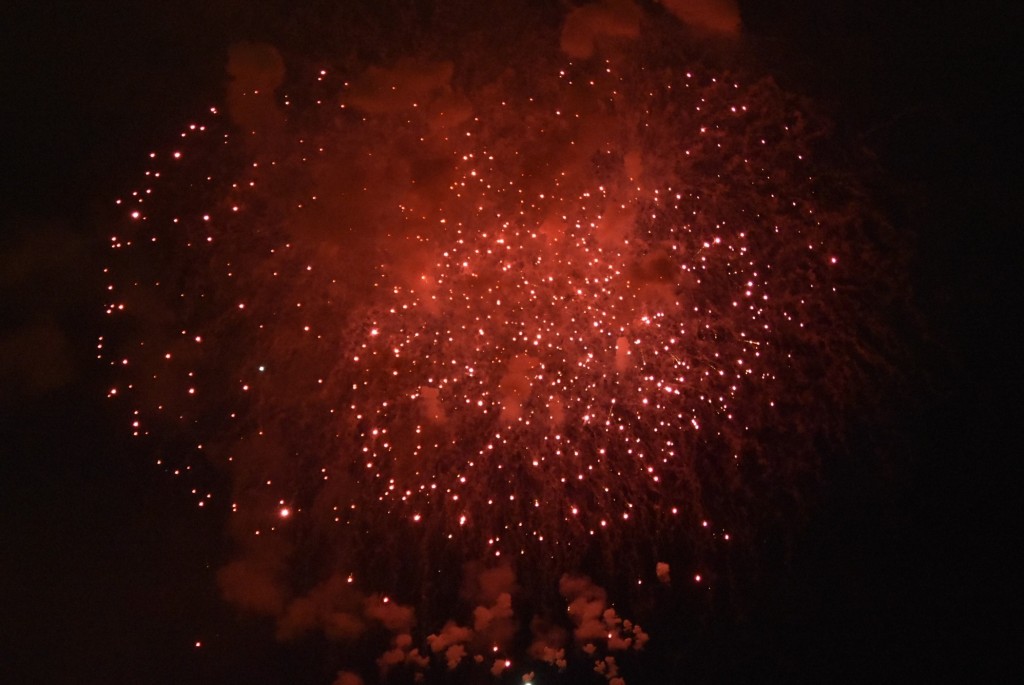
(902, 570)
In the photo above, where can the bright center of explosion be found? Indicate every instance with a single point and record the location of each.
(499, 322)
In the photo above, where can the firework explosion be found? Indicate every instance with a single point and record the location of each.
(454, 331)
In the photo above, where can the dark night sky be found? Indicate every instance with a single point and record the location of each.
(903, 572)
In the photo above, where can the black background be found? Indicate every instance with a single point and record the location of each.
(905, 569)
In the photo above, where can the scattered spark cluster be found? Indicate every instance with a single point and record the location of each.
(597, 307)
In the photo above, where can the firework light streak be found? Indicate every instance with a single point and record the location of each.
(583, 307)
